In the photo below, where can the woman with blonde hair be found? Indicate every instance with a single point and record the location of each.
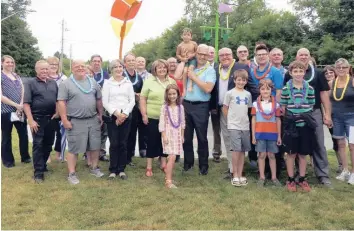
(60, 145)
(12, 93)
(151, 101)
(342, 98)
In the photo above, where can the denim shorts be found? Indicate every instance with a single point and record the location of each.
(267, 146)
(341, 124)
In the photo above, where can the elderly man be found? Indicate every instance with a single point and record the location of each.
(211, 56)
(196, 105)
(137, 122)
(40, 107)
(100, 75)
(141, 68)
(276, 58)
(224, 83)
(82, 121)
(316, 79)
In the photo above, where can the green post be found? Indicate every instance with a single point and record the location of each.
(217, 23)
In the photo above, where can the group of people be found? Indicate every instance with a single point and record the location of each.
(257, 106)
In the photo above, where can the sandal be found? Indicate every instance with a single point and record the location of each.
(169, 184)
(148, 172)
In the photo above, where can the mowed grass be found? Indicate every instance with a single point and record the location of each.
(200, 202)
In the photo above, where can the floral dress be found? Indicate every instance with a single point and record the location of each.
(174, 135)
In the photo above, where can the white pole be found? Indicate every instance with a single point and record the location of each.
(227, 21)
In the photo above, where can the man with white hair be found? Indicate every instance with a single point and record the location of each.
(39, 104)
(316, 79)
(196, 106)
(141, 68)
(82, 121)
(276, 58)
(224, 83)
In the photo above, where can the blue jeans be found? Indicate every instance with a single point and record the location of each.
(341, 124)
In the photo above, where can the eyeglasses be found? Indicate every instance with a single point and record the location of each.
(54, 64)
(260, 55)
(202, 54)
(242, 52)
(342, 68)
(225, 55)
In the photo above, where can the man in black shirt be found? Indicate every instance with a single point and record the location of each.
(316, 79)
(137, 121)
(40, 108)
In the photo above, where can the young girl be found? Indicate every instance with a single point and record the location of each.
(266, 129)
(172, 124)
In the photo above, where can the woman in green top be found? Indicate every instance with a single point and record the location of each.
(151, 100)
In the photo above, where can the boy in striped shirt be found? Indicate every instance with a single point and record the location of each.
(266, 130)
(297, 101)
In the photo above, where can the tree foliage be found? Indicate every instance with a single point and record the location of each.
(16, 38)
(325, 27)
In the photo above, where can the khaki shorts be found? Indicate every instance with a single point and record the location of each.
(84, 136)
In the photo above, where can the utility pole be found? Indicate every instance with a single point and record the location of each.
(71, 55)
(62, 46)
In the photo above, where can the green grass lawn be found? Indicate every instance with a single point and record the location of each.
(200, 202)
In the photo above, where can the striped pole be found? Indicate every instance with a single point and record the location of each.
(63, 141)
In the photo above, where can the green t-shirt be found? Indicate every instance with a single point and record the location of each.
(154, 91)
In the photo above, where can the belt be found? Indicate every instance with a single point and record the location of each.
(82, 118)
(195, 102)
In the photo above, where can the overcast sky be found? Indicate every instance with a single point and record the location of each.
(89, 28)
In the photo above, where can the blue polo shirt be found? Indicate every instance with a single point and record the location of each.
(274, 75)
(209, 75)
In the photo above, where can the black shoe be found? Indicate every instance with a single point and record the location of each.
(187, 169)
(177, 159)
(38, 179)
(228, 176)
(216, 159)
(9, 165)
(104, 158)
(142, 153)
(26, 161)
(203, 171)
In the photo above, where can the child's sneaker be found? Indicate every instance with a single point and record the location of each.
(305, 186)
(276, 183)
(243, 181)
(291, 186)
(236, 182)
(344, 175)
(351, 179)
(261, 183)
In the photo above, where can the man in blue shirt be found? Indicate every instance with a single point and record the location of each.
(276, 58)
(196, 106)
(100, 75)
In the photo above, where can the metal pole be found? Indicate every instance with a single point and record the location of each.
(62, 47)
(216, 36)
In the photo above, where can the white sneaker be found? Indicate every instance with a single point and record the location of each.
(351, 179)
(96, 172)
(235, 182)
(344, 175)
(72, 178)
(243, 181)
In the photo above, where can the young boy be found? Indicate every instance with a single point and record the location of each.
(297, 101)
(188, 48)
(237, 101)
(266, 130)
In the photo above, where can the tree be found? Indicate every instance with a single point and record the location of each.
(57, 54)
(17, 41)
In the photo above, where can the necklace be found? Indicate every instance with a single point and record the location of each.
(164, 86)
(228, 71)
(265, 115)
(312, 73)
(179, 117)
(265, 73)
(136, 77)
(344, 90)
(101, 79)
(303, 94)
(78, 85)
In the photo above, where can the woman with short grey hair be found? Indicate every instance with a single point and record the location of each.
(118, 99)
(342, 98)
